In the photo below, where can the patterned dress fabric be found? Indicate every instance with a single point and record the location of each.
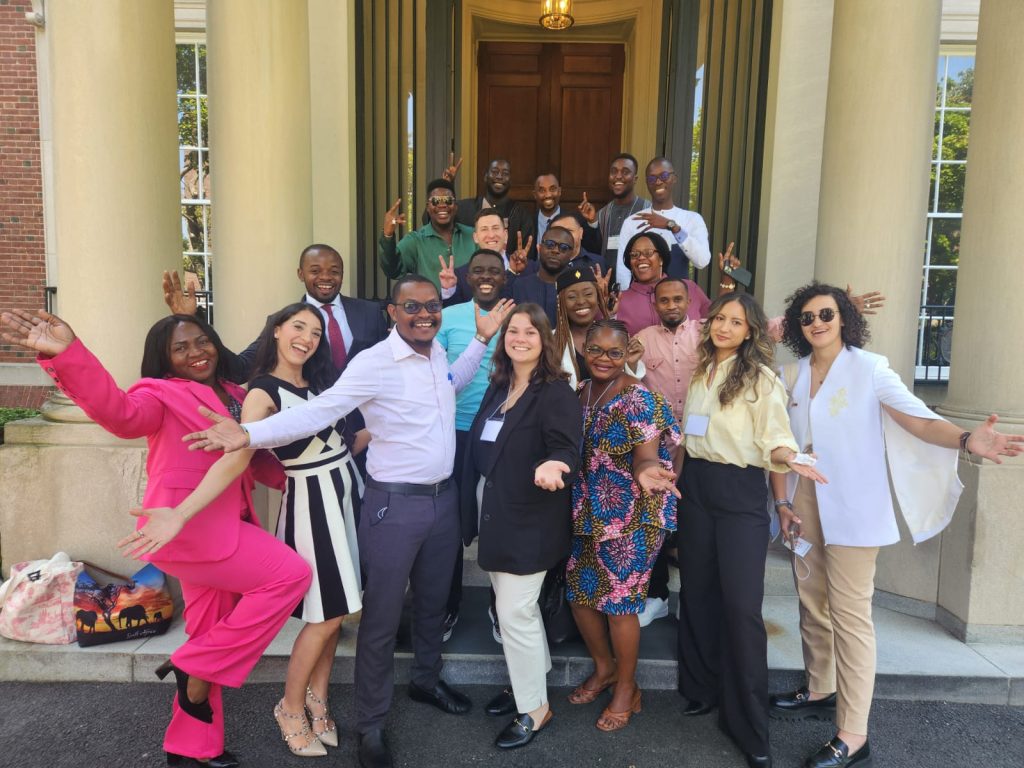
(617, 529)
(319, 509)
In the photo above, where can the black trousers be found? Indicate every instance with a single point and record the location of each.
(723, 646)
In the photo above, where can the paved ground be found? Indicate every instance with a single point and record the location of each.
(120, 725)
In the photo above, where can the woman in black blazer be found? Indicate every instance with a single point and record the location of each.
(523, 451)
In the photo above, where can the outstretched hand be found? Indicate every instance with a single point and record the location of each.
(179, 299)
(163, 524)
(656, 479)
(39, 331)
(225, 435)
(866, 303)
(489, 324)
(987, 442)
(549, 475)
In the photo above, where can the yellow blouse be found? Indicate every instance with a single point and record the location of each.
(745, 432)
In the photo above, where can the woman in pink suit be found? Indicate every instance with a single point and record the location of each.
(239, 583)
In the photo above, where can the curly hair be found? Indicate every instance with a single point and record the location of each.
(563, 328)
(753, 353)
(549, 366)
(318, 370)
(854, 331)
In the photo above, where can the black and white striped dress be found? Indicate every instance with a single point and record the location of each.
(318, 510)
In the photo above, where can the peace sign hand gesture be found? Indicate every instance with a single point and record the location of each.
(517, 259)
(586, 208)
(447, 276)
(39, 331)
(610, 300)
(452, 170)
(392, 219)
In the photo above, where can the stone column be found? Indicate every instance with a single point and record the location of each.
(874, 190)
(981, 589)
(116, 213)
(874, 175)
(258, 69)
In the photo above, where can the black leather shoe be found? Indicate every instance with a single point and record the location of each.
(224, 760)
(798, 706)
(520, 731)
(502, 704)
(759, 761)
(695, 708)
(442, 696)
(836, 754)
(373, 750)
(200, 710)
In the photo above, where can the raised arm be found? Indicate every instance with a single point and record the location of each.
(464, 367)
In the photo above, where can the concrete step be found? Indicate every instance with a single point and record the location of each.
(917, 659)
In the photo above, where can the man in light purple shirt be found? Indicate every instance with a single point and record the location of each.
(409, 525)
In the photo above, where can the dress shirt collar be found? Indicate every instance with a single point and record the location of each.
(400, 348)
(336, 303)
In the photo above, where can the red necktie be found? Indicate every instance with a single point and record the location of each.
(338, 354)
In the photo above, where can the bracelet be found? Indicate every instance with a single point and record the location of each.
(387, 237)
(248, 436)
(964, 437)
(481, 339)
(784, 503)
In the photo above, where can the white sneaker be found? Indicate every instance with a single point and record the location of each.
(495, 628)
(655, 608)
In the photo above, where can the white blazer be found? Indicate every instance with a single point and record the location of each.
(853, 437)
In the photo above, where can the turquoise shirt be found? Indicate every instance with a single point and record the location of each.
(458, 327)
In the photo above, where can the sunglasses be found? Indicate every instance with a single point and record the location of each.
(827, 315)
(614, 354)
(437, 200)
(552, 245)
(663, 176)
(414, 307)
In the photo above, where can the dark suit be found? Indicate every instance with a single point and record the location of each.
(590, 244)
(524, 529)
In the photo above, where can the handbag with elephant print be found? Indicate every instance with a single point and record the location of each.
(122, 609)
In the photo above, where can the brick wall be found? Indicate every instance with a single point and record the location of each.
(22, 247)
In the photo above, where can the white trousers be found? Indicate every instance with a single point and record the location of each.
(523, 638)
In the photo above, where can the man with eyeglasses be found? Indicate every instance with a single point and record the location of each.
(556, 250)
(580, 254)
(420, 251)
(409, 527)
(625, 202)
(681, 229)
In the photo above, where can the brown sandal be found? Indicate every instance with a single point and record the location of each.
(614, 721)
(583, 695)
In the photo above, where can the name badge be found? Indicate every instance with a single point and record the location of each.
(491, 429)
(801, 548)
(696, 425)
(613, 241)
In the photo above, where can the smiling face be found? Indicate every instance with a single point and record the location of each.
(321, 271)
(671, 300)
(622, 177)
(192, 354)
(489, 232)
(580, 302)
(498, 179)
(442, 213)
(820, 335)
(729, 329)
(546, 193)
(553, 259)
(661, 188)
(298, 337)
(575, 229)
(419, 328)
(645, 261)
(522, 340)
(605, 342)
(486, 278)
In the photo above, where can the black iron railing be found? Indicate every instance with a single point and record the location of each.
(934, 340)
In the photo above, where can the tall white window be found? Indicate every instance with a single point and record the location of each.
(953, 91)
(194, 171)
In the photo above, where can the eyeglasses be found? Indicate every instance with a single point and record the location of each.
(438, 200)
(552, 245)
(663, 176)
(648, 254)
(827, 315)
(615, 354)
(414, 307)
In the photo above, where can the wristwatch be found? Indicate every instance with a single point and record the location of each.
(673, 227)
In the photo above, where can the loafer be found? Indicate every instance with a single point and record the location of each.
(798, 705)
(836, 754)
(223, 760)
(373, 750)
(449, 626)
(502, 704)
(520, 731)
(442, 696)
(695, 708)
(759, 761)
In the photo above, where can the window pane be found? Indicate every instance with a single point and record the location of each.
(187, 122)
(931, 188)
(940, 75)
(944, 248)
(202, 68)
(941, 287)
(955, 130)
(935, 134)
(951, 187)
(186, 68)
(960, 82)
(204, 131)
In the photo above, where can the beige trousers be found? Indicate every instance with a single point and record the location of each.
(523, 638)
(835, 617)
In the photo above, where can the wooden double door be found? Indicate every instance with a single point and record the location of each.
(551, 108)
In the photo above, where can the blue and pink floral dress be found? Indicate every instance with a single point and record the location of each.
(617, 529)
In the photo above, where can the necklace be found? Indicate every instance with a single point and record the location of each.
(818, 372)
(509, 402)
(587, 411)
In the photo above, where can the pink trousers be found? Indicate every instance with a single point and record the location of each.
(233, 610)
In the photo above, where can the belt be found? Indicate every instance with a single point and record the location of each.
(410, 489)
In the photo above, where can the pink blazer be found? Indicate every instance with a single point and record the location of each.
(163, 411)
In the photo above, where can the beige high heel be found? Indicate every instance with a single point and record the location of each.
(312, 747)
(329, 735)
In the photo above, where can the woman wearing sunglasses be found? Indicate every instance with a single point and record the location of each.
(864, 423)
(735, 427)
(623, 507)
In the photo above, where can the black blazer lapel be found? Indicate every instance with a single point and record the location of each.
(512, 419)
